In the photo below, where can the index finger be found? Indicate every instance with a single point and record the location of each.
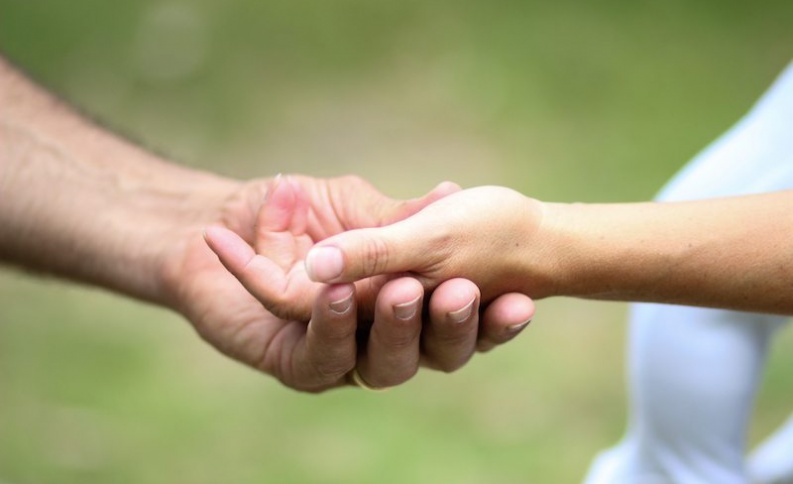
(330, 348)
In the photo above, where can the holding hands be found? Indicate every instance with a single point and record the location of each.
(508, 244)
(384, 327)
(308, 279)
(437, 241)
(89, 206)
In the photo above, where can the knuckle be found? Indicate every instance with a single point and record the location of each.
(451, 361)
(399, 342)
(376, 256)
(329, 371)
(454, 339)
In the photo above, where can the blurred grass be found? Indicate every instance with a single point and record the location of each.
(562, 100)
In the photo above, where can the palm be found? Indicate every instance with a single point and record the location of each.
(316, 350)
(227, 316)
(298, 213)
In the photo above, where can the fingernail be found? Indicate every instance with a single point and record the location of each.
(462, 314)
(342, 305)
(324, 264)
(406, 310)
(516, 328)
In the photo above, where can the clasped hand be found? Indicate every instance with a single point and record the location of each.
(314, 334)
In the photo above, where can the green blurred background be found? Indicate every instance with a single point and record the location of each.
(564, 100)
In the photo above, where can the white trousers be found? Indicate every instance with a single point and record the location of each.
(694, 372)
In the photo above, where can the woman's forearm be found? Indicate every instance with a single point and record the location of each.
(732, 253)
(81, 203)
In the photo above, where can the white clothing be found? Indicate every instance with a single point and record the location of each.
(694, 372)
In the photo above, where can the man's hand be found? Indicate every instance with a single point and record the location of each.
(319, 354)
(295, 214)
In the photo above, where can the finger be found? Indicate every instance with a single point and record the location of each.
(411, 244)
(277, 212)
(358, 254)
(392, 351)
(230, 248)
(262, 277)
(503, 319)
(284, 210)
(330, 349)
(449, 338)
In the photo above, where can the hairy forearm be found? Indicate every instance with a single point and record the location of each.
(734, 253)
(81, 203)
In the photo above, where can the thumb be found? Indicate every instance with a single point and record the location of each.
(362, 253)
(284, 207)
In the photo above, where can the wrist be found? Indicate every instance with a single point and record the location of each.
(89, 206)
(605, 251)
(526, 258)
(205, 200)
(564, 264)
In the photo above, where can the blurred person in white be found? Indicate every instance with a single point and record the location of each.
(81, 203)
(721, 239)
(694, 372)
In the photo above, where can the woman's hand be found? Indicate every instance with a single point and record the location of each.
(489, 235)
